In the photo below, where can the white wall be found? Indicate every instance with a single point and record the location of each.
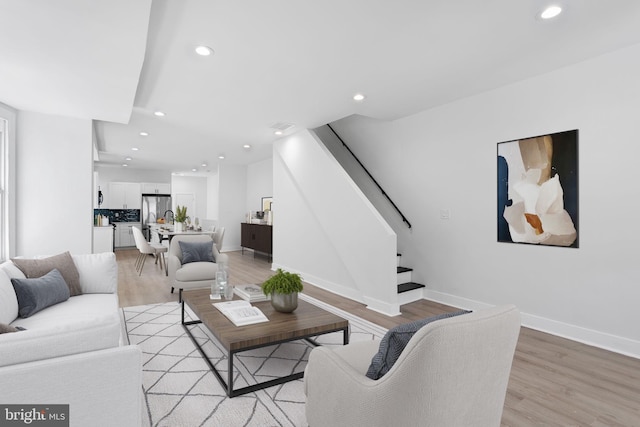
(369, 188)
(232, 197)
(54, 164)
(326, 229)
(259, 184)
(181, 186)
(212, 196)
(445, 158)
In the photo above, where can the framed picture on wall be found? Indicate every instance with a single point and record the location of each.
(266, 203)
(538, 190)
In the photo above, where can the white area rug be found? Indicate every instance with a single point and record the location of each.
(181, 391)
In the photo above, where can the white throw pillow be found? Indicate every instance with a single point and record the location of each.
(98, 272)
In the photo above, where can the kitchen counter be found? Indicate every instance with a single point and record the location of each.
(103, 239)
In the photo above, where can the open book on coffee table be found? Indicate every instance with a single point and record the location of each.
(241, 312)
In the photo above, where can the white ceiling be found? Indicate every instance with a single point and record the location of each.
(278, 61)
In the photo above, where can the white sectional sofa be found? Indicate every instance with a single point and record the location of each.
(73, 352)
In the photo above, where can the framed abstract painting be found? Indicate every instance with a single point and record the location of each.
(538, 190)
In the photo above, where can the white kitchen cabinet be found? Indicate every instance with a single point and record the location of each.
(156, 188)
(124, 195)
(124, 234)
(102, 239)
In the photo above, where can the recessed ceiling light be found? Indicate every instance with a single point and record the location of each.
(144, 133)
(204, 50)
(194, 170)
(358, 97)
(159, 113)
(204, 165)
(221, 157)
(134, 148)
(128, 159)
(551, 12)
(247, 146)
(125, 165)
(278, 132)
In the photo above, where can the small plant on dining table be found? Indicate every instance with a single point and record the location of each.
(181, 214)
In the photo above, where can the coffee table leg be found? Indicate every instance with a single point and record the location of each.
(230, 380)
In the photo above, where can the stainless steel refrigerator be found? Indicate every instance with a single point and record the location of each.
(154, 206)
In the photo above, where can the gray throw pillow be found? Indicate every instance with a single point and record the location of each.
(37, 294)
(196, 251)
(395, 340)
(33, 268)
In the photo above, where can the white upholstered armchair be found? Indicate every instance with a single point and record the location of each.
(453, 372)
(193, 275)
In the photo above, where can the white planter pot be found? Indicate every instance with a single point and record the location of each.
(178, 227)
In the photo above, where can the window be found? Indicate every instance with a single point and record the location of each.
(7, 184)
(4, 247)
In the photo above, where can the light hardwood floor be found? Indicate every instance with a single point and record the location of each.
(554, 381)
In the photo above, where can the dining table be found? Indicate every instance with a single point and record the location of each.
(168, 234)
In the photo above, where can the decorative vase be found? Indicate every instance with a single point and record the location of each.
(284, 303)
(178, 227)
(222, 283)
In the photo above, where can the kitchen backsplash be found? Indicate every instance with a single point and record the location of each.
(119, 215)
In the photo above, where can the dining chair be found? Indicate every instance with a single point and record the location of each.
(145, 249)
(218, 235)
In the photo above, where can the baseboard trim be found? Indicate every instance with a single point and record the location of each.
(382, 307)
(335, 288)
(353, 294)
(586, 336)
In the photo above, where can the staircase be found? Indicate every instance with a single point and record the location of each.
(408, 291)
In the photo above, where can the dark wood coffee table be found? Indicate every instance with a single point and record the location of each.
(305, 322)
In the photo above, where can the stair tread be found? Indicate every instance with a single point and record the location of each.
(404, 269)
(409, 286)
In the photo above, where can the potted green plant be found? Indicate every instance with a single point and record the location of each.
(180, 218)
(283, 288)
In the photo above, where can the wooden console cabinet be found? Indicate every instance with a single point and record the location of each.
(257, 237)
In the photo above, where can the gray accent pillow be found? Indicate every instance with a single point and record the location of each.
(33, 268)
(196, 252)
(37, 294)
(395, 340)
